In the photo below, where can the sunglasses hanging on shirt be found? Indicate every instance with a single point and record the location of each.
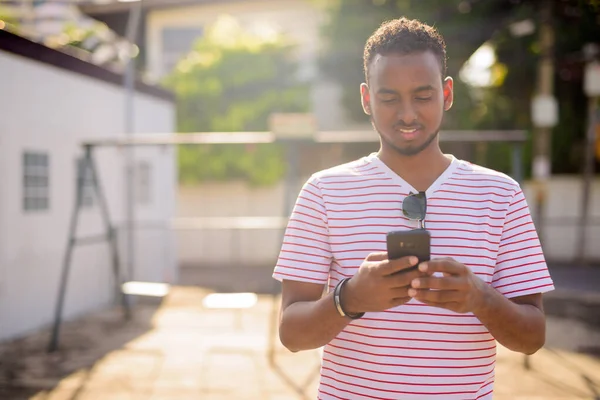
(414, 207)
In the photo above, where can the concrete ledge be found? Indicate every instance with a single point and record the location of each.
(573, 304)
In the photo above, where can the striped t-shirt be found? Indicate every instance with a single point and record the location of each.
(475, 215)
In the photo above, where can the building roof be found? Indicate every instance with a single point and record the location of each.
(20, 46)
(116, 7)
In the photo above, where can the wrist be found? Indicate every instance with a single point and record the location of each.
(483, 298)
(338, 299)
(347, 298)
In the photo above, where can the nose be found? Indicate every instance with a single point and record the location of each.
(407, 114)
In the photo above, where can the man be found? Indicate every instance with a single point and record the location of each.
(426, 333)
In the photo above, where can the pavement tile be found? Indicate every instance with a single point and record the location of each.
(187, 352)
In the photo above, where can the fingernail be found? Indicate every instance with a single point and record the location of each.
(415, 283)
(413, 260)
(423, 267)
(412, 292)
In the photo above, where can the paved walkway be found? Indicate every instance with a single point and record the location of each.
(180, 350)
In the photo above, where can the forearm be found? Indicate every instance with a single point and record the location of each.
(309, 325)
(518, 327)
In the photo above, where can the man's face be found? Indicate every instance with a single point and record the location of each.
(406, 99)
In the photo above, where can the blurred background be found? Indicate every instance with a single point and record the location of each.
(150, 152)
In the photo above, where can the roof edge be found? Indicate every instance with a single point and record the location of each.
(18, 45)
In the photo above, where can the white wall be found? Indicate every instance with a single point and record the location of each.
(562, 213)
(43, 108)
(300, 20)
(197, 247)
(261, 247)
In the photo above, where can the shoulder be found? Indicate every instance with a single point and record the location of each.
(345, 173)
(488, 178)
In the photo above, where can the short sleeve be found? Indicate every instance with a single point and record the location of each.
(520, 267)
(306, 253)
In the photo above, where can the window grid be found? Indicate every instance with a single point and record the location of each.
(36, 181)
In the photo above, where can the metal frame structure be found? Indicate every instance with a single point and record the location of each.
(516, 138)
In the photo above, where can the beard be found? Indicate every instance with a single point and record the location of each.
(409, 150)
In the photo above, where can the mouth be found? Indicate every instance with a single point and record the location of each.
(408, 133)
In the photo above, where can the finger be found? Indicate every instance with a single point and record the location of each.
(442, 283)
(398, 301)
(452, 306)
(400, 264)
(446, 266)
(404, 278)
(377, 256)
(400, 292)
(436, 296)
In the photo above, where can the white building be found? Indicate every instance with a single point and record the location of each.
(51, 103)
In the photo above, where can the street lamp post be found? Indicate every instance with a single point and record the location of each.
(544, 113)
(591, 87)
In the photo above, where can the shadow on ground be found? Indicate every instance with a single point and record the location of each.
(230, 278)
(103, 346)
(27, 369)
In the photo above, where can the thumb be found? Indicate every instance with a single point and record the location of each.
(377, 256)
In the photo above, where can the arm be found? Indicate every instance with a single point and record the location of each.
(308, 321)
(518, 324)
(512, 307)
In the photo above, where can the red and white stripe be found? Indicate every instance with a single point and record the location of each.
(475, 215)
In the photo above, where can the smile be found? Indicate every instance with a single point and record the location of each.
(408, 134)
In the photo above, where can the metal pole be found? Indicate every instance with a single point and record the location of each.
(517, 162)
(542, 138)
(112, 239)
(62, 291)
(289, 185)
(588, 174)
(129, 86)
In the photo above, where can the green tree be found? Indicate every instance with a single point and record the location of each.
(8, 16)
(508, 103)
(232, 81)
(351, 22)
(466, 25)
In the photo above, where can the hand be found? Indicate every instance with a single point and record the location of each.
(379, 284)
(459, 289)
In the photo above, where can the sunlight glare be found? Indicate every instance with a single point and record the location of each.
(152, 289)
(230, 300)
(476, 71)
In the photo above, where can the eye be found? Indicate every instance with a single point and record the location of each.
(424, 98)
(388, 100)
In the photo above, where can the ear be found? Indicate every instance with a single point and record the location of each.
(365, 98)
(448, 87)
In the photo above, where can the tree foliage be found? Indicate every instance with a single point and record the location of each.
(466, 25)
(8, 16)
(232, 81)
(351, 22)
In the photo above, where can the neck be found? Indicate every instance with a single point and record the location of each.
(420, 170)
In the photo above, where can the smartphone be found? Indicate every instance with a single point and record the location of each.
(414, 242)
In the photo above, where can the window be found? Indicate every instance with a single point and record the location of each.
(143, 179)
(85, 180)
(176, 43)
(36, 181)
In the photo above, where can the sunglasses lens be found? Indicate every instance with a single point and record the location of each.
(414, 206)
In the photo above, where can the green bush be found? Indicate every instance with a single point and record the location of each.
(232, 81)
